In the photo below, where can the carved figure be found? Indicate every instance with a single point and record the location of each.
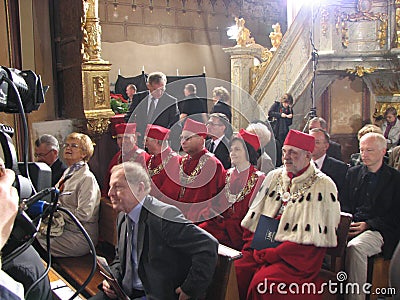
(275, 36)
(243, 37)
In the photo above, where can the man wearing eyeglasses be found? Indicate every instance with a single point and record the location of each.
(201, 174)
(154, 106)
(217, 128)
(46, 150)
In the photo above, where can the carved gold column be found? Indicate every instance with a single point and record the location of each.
(95, 72)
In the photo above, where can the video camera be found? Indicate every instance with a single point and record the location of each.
(20, 92)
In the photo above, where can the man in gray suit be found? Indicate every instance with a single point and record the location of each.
(160, 254)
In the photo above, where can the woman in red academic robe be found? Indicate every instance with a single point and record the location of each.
(240, 184)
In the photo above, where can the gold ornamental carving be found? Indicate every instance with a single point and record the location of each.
(275, 36)
(98, 121)
(360, 71)
(257, 71)
(363, 14)
(91, 30)
(243, 38)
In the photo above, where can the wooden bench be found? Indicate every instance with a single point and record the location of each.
(77, 269)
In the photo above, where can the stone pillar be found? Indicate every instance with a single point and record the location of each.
(95, 72)
(242, 60)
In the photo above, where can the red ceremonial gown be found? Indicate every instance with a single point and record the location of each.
(136, 154)
(163, 169)
(261, 271)
(202, 176)
(240, 187)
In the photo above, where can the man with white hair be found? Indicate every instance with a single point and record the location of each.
(303, 201)
(372, 195)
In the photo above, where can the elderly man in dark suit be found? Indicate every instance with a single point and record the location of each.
(160, 254)
(372, 196)
(46, 150)
(335, 149)
(332, 167)
(220, 132)
(155, 106)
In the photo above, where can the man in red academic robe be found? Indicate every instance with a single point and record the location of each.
(304, 200)
(201, 174)
(162, 165)
(129, 151)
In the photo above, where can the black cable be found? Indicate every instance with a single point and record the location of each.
(92, 250)
(52, 208)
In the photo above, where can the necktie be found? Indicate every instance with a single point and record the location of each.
(129, 267)
(212, 145)
(152, 108)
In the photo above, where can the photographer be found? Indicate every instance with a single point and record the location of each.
(9, 289)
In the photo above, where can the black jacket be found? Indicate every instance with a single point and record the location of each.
(165, 115)
(222, 152)
(385, 209)
(336, 170)
(171, 251)
(223, 108)
(280, 126)
(334, 150)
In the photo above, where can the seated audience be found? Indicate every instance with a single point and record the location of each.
(304, 200)
(221, 99)
(219, 130)
(46, 150)
(372, 196)
(264, 162)
(9, 288)
(160, 254)
(128, 151)
(240, 183)
(335, 149)
(80, 194)
(332, 167)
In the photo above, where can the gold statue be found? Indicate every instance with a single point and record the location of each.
(275, 36)
(243, 36)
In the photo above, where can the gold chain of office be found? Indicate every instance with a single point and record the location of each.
(233, 198)
(187, 179)
(160, 167)
(286, 196)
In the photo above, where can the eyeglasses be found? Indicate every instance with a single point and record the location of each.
(186, 138)
(42, 154)
(72, 145)
(213, 124)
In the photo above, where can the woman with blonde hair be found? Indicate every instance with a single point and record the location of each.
(80, 194)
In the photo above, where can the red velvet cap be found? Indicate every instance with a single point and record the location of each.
(250, 138)
(300, 140)
(125, 128)
(157, 132)
(195, 127)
